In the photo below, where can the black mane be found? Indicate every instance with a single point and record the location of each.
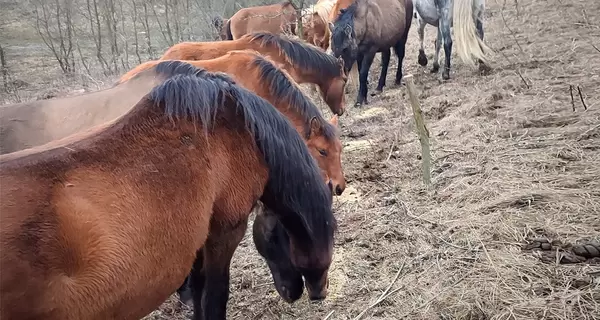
(301, 54)
(297, 190)
(282, 88)
(343, 20)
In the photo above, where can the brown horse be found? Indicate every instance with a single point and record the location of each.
(305, 63)
(275, 18)
(257, 74)
(106, 224)
(29, 124)
(367, 27)
(315, 21)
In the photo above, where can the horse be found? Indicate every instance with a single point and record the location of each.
(256, 73)
(259, 75)
(314, 23)
(29, 124)
(367, 27)
(107, 223)
(275, 18)
(468, 29)
(305, 63)
(220, 26)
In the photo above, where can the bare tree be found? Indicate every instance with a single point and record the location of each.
(54, 25)
(4, 68)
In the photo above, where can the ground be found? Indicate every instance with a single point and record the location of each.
(515, 162)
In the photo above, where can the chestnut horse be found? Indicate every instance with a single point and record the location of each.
(275, 18)
(106, 224)
(257, 74)
(315, 21)
(305, 63)
(29, 124)
(367, 27)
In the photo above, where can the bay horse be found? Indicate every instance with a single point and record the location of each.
(256, 73)
(305, 63)
(275, 18)
(29, 124)
(468, 31)
(259, 75)
(315, 21)
(107, 223)
(367, 27)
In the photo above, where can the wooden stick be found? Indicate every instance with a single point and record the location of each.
(421, 128)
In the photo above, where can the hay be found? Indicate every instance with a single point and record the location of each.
(512, 162)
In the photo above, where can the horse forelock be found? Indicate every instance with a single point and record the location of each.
(284, 89)
(300, 54)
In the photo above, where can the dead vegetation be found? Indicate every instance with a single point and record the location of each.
(515, 188)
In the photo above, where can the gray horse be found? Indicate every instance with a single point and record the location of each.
(468, 29)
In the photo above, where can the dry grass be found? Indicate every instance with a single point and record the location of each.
(512, 161)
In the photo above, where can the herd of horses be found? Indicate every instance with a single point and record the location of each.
(113, 200)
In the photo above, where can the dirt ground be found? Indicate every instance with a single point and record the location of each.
(513, 164)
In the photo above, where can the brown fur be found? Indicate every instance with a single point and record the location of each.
(315, 23)
(89, 231)
(381, 19)
(239, 65)
(330, 87)
(276, 18)
(34, 123)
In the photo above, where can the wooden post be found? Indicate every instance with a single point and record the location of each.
(421, 128)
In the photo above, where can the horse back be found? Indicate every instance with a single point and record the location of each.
(382, 22)
(269, 18)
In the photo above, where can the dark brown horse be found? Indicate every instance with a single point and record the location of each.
(367, 27)
(29, 124)
(275, 18)
(259, 75)
(305, 63)
(106, 224)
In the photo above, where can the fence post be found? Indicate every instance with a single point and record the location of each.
(422, 131)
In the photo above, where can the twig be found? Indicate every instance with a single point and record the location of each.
(595, 47)
(329, 315)
(385, 294)
(581, 97)
(572, 100)
(392, 148)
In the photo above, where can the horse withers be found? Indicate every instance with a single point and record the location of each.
(367, 27)
(468, 31)
(107, 223)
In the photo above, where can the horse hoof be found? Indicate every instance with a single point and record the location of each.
(422, 58)
(446, 75)
(436, 68)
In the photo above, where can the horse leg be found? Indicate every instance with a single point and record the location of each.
(195, 284)
(385, 62)
(218, 251)
(185, 292)
(367, 60)
(438, 46)
(421, 31)
(444, 26)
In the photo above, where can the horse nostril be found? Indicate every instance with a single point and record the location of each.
(339, 190)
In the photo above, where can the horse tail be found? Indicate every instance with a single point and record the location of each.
(228, 30)
(468, 45)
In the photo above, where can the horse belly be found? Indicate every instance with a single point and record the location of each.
(428, 11)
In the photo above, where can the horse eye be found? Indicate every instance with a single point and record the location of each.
(323, 152)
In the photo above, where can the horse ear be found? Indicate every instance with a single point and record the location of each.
(334, 120)
(330, 26)
(315, 126)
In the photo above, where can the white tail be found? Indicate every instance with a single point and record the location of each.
(468, 45)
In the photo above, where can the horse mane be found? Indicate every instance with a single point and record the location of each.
(287, 2)
(203, 97)
(166, 69)
(300, 54)
(347, 18)
(283, 89)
